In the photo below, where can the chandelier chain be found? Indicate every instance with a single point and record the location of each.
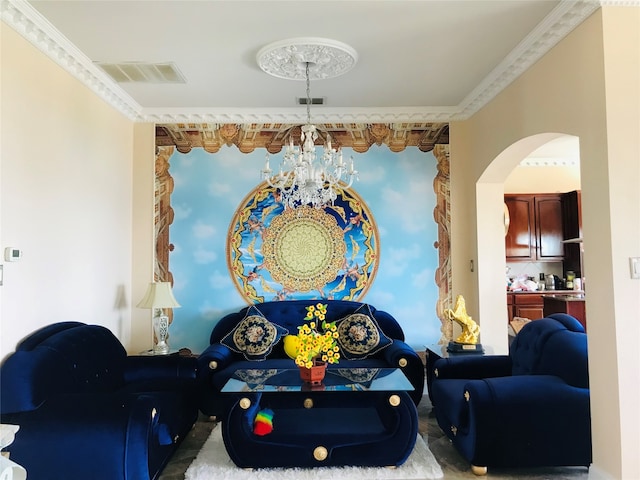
(308, 93)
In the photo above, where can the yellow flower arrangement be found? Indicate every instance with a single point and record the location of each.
(317, 339)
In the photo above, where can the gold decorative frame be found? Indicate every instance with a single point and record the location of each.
(273, 136)
(442, 217)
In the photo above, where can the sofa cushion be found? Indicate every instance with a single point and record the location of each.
(359, 335)
(255, 336)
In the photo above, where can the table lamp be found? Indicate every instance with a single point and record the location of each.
(158, 297)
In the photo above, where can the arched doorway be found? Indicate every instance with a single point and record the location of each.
(490, 233)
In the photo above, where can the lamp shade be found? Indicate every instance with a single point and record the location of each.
(158, 295)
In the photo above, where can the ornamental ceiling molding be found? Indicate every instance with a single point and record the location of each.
(23, 18)
(272, 136)
(302, 57)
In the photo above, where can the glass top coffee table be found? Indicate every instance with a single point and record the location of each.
(357, 416)
(336, 379)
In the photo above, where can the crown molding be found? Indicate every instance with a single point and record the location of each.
(23, 18)
(28, 22)
(298, 116)
(553, 28)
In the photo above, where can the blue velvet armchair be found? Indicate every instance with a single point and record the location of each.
(526, 409)
(86, 410)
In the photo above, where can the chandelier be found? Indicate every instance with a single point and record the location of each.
(306, 177)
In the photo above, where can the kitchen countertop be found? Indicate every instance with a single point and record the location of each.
(575, 297)
(549, 292)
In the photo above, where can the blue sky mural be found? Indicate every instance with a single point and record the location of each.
(209, 188)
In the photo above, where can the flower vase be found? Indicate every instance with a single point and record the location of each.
(315, 374)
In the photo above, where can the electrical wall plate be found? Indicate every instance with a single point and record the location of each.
(634, 267)
(12, 254)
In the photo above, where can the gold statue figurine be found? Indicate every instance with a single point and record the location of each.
(467, 341)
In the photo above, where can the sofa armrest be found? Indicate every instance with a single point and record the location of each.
(216, 357)
(97, 436)
(507, 413)
(401, 355)
(398, 354)
(535, 393)
(472, 366)
(159, 367)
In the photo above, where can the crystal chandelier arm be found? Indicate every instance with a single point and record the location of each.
(351, 177)
(352, 173)
(266, 171)
(275, 181)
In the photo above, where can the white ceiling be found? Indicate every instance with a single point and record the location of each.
(418, 60)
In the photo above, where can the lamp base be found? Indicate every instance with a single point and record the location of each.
(161, 329)
(161, 348)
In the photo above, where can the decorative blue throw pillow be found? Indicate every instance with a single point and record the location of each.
(359, 335)
(254, 336)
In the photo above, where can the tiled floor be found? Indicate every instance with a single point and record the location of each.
(453, 466)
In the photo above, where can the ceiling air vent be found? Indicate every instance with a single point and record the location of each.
(141, 72)
(314, 100)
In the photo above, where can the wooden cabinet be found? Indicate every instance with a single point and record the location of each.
(510, 307)
(528, 305)
(535, 230)
(534, 305)
(520, 240)
(570, 304)
(572, 229)
(548, 217)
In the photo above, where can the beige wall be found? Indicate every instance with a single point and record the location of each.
(65, 198)
(621, 372)
(143, 233)
(543, 179)
(568, 92)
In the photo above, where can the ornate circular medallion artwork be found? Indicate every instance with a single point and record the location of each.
(303, 249)
(275, 253)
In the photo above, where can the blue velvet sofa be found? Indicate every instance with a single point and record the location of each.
(86, 410)
(526, 409)
(222, 358)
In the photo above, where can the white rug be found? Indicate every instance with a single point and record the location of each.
(213, 462)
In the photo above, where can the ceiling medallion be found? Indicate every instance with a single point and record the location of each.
(288, 58)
